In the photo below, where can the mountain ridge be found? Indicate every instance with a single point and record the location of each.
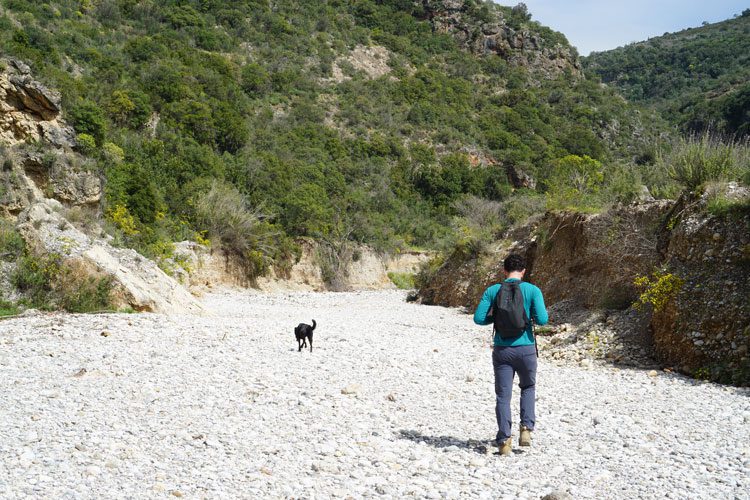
(698, 78)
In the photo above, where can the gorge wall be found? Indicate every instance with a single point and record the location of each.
(54, 196)
(590, 262)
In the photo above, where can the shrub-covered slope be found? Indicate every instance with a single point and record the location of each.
(697, 77)
(342, 120)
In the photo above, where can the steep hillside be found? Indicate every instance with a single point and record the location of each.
(324, 114)
(697, 77)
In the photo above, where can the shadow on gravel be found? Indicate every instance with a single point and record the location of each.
(475, 445)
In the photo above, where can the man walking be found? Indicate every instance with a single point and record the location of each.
(511, 305)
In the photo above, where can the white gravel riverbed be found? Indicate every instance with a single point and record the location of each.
(395, 400)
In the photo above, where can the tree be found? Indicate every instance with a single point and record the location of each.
(574, 182)
(194, 118)
(88, 118)
(255, 80)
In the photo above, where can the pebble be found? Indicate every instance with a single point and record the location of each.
(351, 389)
(404, 407)
(93, 470)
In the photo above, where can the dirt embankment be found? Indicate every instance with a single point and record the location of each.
(361, 269)
(587, 264)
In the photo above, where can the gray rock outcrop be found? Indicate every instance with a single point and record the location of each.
(139, 282)
(493, 35)
(42, 181)
(29, 111)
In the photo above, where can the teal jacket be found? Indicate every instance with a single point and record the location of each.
(533, 302)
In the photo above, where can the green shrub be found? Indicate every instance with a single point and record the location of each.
(76, 290)
(623, 184)
(88, 118)
(574, 182)
(113, 153)
(478, 223)
(48, 282)
(184, 16)
(11, 242)
(86, 144)
(403, 281)
(129, 107)
(427, 270)
(34, 276)
(307, 211)
(255, 80)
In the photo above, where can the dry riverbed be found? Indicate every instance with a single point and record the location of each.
(395, 400)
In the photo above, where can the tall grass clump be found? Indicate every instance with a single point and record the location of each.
(241, 230)
(477, 224)
(700, 158)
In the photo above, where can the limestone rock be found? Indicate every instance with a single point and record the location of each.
(372, 61)
(494, 36)
(29, 111)
(208, 267)
(139, 282)
(20, 191)
(367, 270)
(519, 179)
(62, 176)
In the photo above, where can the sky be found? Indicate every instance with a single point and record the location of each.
(597, 25)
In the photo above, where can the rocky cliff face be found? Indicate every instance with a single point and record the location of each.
(29, 111)
(494, 35)
(42, 179)
(37, 157)
(33, 173)
(588, 263)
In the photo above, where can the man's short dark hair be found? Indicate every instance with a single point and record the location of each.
(514, 262)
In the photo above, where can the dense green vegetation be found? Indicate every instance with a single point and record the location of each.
(185, 103)
(698, 78)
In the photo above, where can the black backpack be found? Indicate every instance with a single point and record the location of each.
(509, 314)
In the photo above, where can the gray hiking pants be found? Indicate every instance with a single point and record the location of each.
(507, 361)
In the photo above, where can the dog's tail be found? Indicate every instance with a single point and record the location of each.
(313, 325)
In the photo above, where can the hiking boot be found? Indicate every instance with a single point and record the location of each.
(525, 438)
(506, 446)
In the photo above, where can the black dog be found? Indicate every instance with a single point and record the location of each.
(303, 332)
